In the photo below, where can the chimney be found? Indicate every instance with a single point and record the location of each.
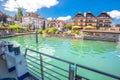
(84, 14)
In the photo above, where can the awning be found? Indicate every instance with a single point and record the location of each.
(76, 27)
(89, 27)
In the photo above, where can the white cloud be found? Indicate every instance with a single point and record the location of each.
(1, 0)
(29, 5)
(64, 18)
(11, 5)
(115, 14)
(50, 18)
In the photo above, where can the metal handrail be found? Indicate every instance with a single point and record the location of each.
(56, 72)
(35, 70)
(51, 56)
(56, 66)
(38, 72)
(33, 66)
(33, 57)
(42, 67)
(72, 74)
(52, 75)
(32, 61)
(98, 71)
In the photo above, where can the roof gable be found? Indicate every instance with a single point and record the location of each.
(89, 14)
(79, 14)
(104, 15)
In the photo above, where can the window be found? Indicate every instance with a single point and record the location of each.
(75, 21)
(107, 20)
(81, 20)
(100, 25)
(100, 20)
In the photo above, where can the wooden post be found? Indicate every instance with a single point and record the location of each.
(36, 36)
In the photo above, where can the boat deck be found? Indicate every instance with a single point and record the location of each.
(5, 74)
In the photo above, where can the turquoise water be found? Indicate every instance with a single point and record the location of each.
(100, 55)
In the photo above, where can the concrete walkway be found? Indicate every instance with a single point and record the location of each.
(16, 34)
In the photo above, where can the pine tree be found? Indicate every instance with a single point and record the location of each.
(43, 25)
(20, 14)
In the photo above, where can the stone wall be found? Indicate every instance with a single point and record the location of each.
(114, 37)
(65, 36)
(104, 37)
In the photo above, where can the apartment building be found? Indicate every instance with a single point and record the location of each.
(79, 19)
(104, 20)
(89, 19)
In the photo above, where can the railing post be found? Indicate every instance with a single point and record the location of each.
(71, 72)
(25, 52)
(41, 67)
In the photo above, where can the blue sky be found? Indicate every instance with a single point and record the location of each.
(63, 9)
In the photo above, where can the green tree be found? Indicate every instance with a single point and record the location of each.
(20, 14)
(39, 31)
(15, 27)
(29, 26)
(51, 30)
(68, 26)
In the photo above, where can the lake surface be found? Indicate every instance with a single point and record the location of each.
(101, 55)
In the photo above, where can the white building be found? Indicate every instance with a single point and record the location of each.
(10, 20)
(33, 21)
(56, 23)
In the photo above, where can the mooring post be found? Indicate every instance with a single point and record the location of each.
(36, 36)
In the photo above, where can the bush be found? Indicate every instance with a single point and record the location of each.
(51, 30)
(87, 33)
(39, 31)
(15, 27)
(68, 26)
(46, 30)
(57, 32)
(76, 32)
